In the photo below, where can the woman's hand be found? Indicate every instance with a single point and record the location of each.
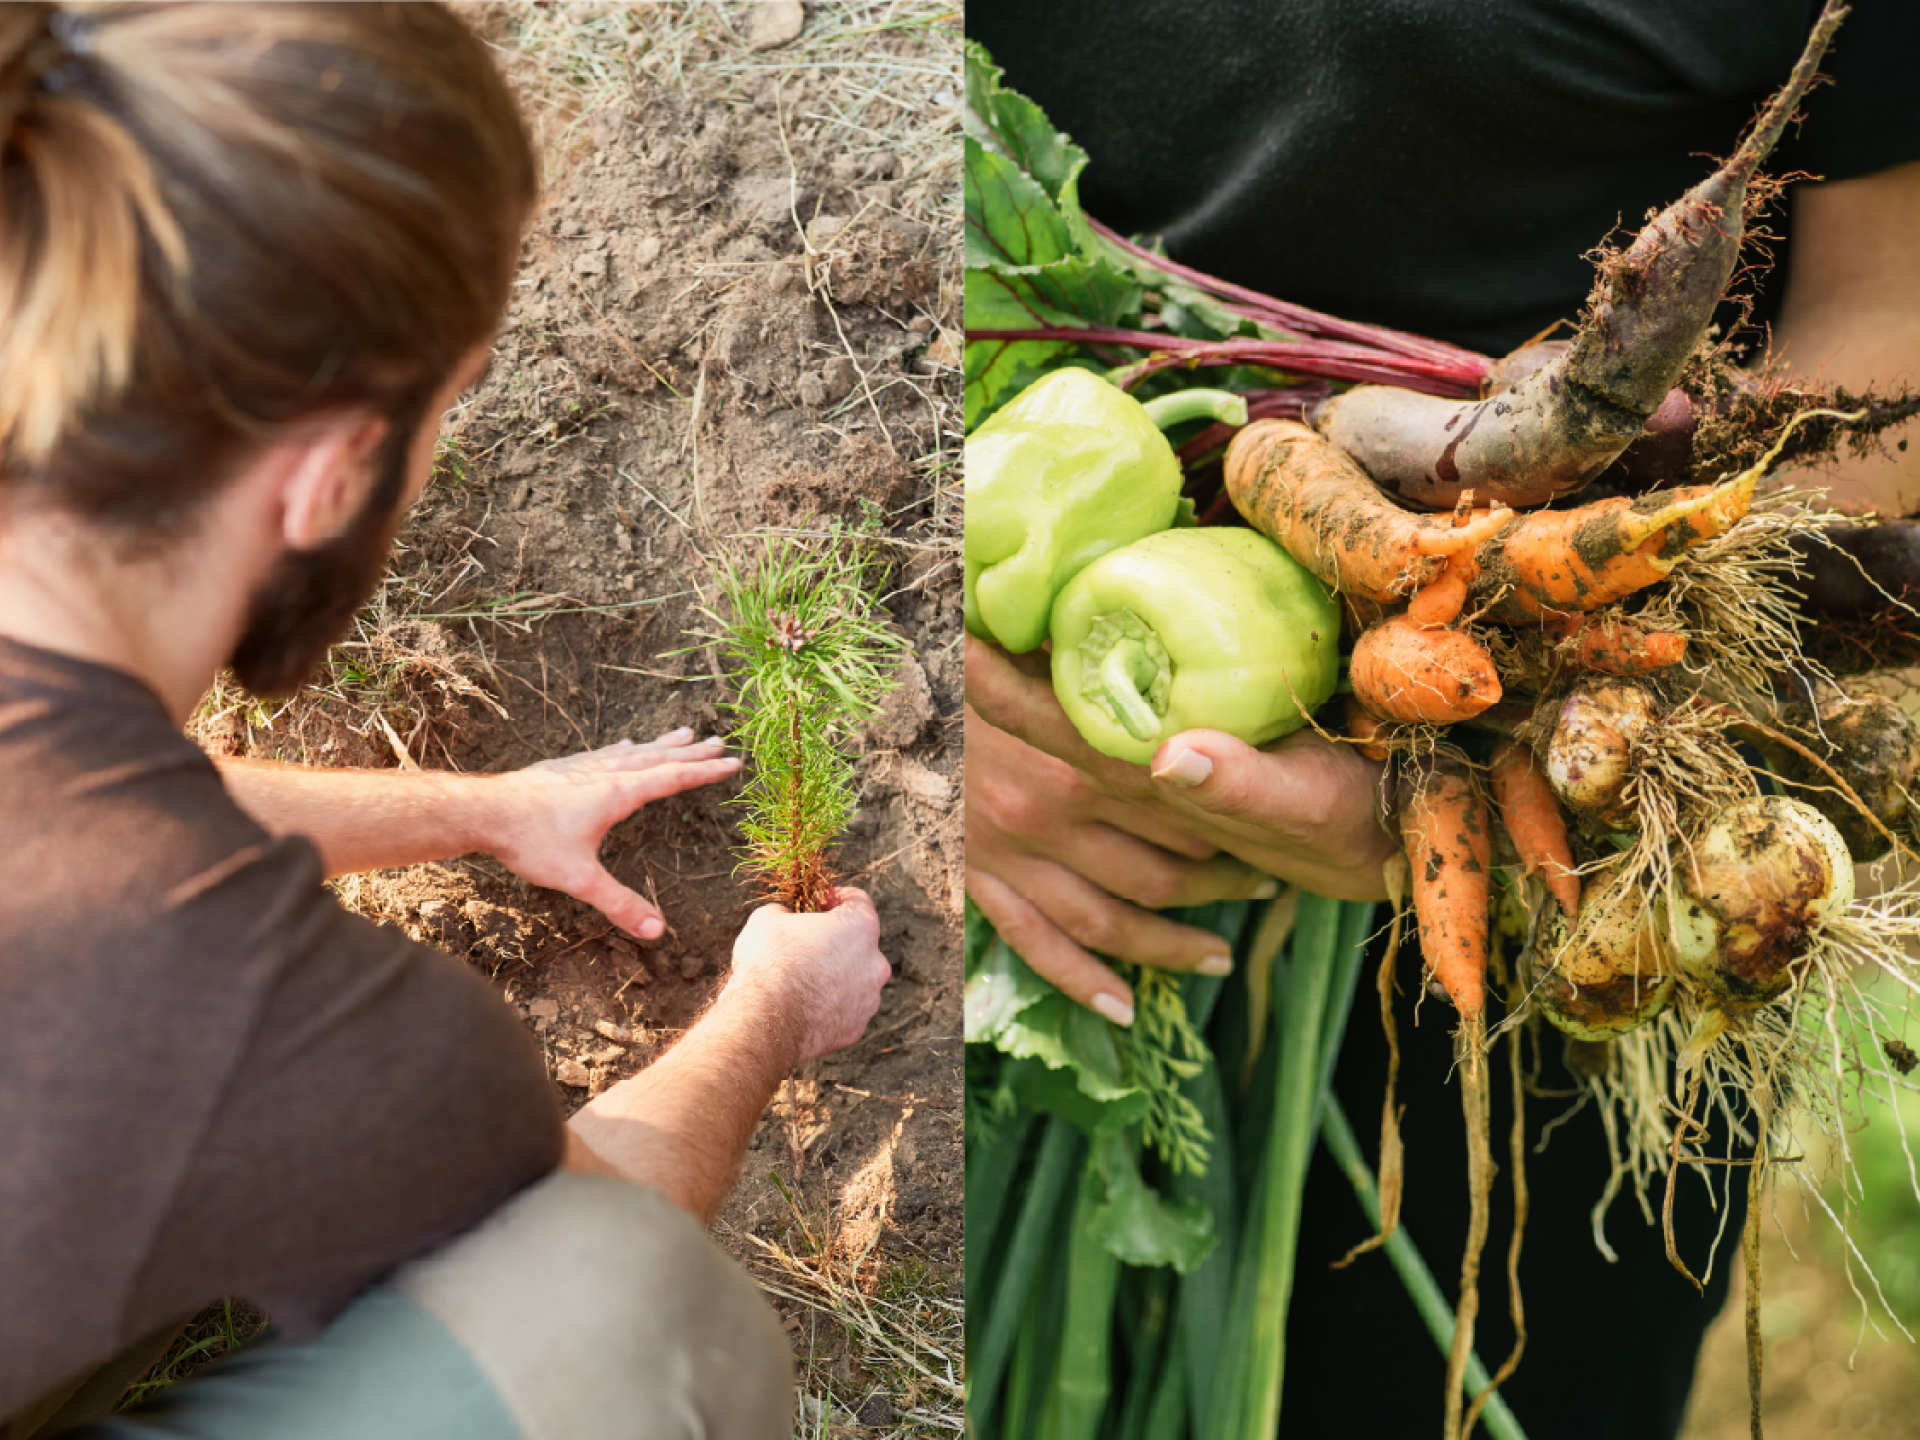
(1064, 845)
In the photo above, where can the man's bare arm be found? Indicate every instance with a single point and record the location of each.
(1851, 311)
(545, 823)
(801, 985)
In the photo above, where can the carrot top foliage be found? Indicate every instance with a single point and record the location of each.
(810, 656)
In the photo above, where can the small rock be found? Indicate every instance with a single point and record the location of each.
(839, 378)
(920, 324)
(436, 915)
(590, 264)
(823, 230)
(774, 23)
(923, 785)
(813, 391)
(571, 226)
(884, 166)
(522, 493)
(623, 542)
(845, 168)
(876, 1412)
(912, 1203)
(545, 1008)
(692, 967)
(572, 1073)
(943, 353)
(605, 1055)
(906, 709)
(607, 1030)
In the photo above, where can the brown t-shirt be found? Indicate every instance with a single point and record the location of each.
(213, 1080)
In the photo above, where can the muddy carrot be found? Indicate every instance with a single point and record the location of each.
(1559, 426)
(1444, 824)
(1401, 671)
(1533, 818)
(1614, 645)
(1364, 727)
(1313, 499)
(1559, 562)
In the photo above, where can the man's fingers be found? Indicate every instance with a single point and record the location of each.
(655, 782)
(619, 904)
(1054, 958)
(858, 908)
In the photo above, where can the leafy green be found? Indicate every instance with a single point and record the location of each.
(1031, 257)
(1142, 1226)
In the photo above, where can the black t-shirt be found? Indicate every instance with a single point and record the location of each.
(1440, 166)
(213, 1080)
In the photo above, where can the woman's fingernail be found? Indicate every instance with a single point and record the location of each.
(1113, 1008)
(1185, 768)
(678, 731)
(1215, 965)
(1266, 889)
(652, 928)
(716, 740)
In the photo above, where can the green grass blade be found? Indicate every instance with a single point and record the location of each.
(1434, 1307)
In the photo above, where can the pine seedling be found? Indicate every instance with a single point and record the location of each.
(810, 657)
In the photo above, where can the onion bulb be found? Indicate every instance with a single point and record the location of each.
(1754, 891)
(1590, 755)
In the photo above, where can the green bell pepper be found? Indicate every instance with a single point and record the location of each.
(1216, 629)
(1070, 468)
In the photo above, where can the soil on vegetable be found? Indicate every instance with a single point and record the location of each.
(728, 317)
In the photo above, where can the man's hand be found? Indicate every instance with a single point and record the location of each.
(801, 985)
(546, 822)
(826, 969)
(1108, 832)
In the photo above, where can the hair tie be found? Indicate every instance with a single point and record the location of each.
(59, 59)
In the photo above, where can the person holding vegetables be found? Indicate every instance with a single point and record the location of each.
(248, 256)
(1444, 170)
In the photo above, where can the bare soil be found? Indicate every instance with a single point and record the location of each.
(1826, 1372)
(731, 314)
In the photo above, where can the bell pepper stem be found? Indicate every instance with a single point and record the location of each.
(1183, 405)
(1118, 678)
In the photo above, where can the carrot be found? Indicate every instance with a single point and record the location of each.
(1614, 645)
(1364, 726)
(1553, 430)
(1403, 672)
(1310, 497)
(1532, 816)
(1554, 563)
(1445, 827)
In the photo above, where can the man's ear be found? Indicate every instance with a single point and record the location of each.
(327, 473)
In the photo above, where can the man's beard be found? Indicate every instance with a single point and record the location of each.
(311, 597)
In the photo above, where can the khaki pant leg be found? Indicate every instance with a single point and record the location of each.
(598, 1310)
